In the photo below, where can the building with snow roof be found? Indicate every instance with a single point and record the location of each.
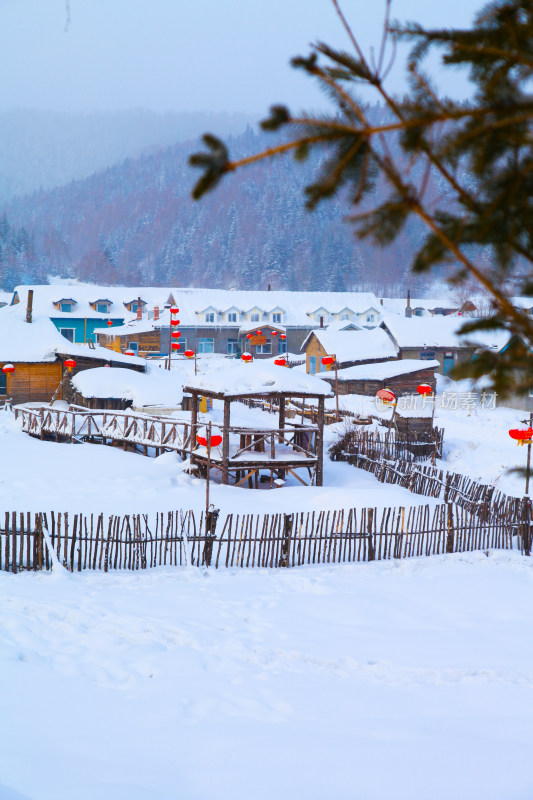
(348, 346)
(402, 376)
(212, 320)
(437, 338)
(38, 353)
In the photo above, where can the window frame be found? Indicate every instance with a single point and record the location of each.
(202, 341)
(264, 349)
(73, 330)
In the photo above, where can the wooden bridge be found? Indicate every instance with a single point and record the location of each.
(278, 450)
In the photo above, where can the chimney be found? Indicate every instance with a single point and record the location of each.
(29, 307)
(139, 309)
(408, 309)
(321, 322)
(156, 312)
(381, 301)
(268, 289)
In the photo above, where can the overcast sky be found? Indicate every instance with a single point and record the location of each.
(183, 55)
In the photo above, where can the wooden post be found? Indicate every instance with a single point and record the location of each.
(194, 420)
(336, 390)
(281, 418)
(208, 468)
(320, 443)
(528, 468)
(286, 541)
(225, 442)
(449, 526)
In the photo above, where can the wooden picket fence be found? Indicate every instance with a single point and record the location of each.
(177, 538)
(451, 487)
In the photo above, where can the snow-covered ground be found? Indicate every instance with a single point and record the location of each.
(411, 680)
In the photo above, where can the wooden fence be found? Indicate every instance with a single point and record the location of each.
(451, 487)
(137, 541)
(389, 445)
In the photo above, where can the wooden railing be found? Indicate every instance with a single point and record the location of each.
(162, 433)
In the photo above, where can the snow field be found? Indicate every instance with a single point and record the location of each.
(410, 679)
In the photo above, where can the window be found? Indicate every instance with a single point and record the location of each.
(255, 318)
(312, 365)
(68, 333)
(233, 347)
(427, 355)
(276, 317)
(282, 346)
(347, 316)
(370, 317)
(3, 383)
(66, 307)
(232, 317)
(210, 317)
(133, 346)
(206, 345)
(102, 308)
(264, 348)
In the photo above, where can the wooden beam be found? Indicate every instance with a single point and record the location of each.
(320, 442)
(249, 475)
(225, 442)
(297, 476)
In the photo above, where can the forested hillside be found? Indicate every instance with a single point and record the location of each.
(135, 223)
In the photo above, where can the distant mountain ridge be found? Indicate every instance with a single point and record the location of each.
(135, 223)
(45, 149)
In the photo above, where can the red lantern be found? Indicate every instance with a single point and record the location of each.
(174, 322)
(175, 345)
(109, 322)
(216, 439)
(280, 362)
(248, 335)
(328, 360)
(176, 334)
(387, 396)
(274, 333)
(70, 363)
(259, 333)
(522, 435)
(282, 336)
(128, 353)
(188, 353)
(8, 368)
(174, 310)
(424, 389)
(247, 357)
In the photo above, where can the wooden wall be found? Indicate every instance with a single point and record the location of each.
(400, 384)
(34, 382)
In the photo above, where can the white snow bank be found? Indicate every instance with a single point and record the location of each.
(156, 387)
(403, 679)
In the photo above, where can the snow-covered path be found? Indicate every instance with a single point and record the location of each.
(396, 679)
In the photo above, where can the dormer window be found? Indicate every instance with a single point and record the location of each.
(210, 316)
(66, 304)
(255, 317)
(232, 316)
(101, 306)
(276, 317)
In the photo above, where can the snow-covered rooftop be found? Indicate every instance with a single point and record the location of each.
(439, 332)
(40, 340)
(193, 302)
(258, 378)
(156, 387)
(355, 345)
(385, 369)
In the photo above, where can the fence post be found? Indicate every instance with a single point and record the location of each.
(369, 526)
(286, 541)
(211, 519)
(447, 487)
(526, 525)
(449, 527)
